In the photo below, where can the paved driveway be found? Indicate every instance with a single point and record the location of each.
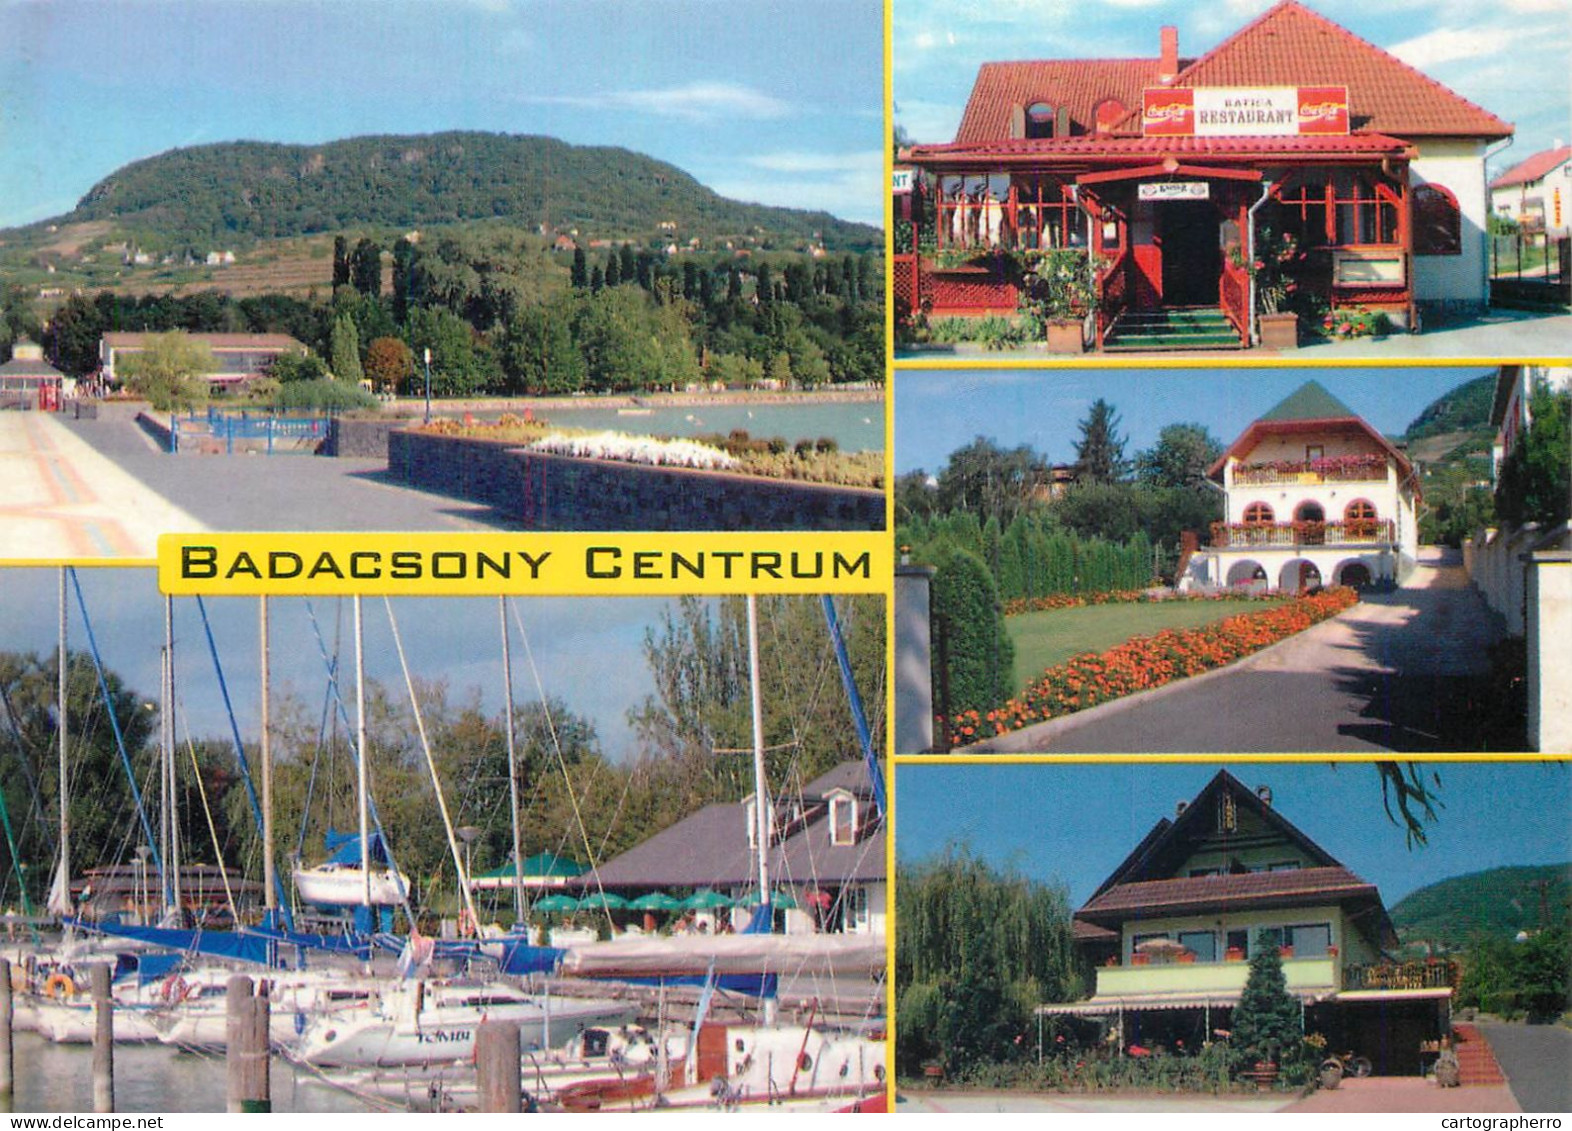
(1398, 672)
(1537, 1060)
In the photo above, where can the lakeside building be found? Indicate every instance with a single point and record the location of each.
(1166, 171)
(236, 357)
(1314, 496)
(28, 381)
(1171, 931)
(826, 851)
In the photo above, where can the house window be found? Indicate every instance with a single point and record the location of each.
(843, 820)
(1194, 872)
(1360, 510)
(856, 904)
(1347, 209)
(1438, 222)
(1310, 940)
(1045, 214)
(1283, 866)
(1203, 944)
(1258, 514)
(1314, 452)
(1239, 944)
(1039, 120)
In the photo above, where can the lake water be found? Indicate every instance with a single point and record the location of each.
(857, 426)
(152, 1078)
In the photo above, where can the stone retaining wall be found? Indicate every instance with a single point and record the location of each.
(551, 492)
(154, 427)
(357, 438)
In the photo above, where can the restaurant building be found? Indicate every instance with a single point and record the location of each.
(1177, 176)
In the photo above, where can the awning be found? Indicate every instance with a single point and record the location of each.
(1394, 995)
(1100, 1006)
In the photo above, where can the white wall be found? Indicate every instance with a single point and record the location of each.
(1455, 280)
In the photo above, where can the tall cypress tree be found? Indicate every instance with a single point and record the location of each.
(345, 349)
(613, 270)
(340, 261)
(629, 263)
(580, 272)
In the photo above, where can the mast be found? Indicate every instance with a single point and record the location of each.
(362, 782)
(269, 864)
(60, 889)
(167, 826)
(513, 769)
(761, 802)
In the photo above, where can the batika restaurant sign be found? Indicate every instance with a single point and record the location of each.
(1237, 111)
(1175, 190)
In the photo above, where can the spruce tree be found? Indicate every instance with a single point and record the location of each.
(1268, 1021)
(1099, 457)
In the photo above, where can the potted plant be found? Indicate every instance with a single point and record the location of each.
(1057, 293)
(1273, 267)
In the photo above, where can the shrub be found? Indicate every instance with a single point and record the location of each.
(979, 648)
(324, 394)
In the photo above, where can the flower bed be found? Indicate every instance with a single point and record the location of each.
(1146, 662)
(636, 449)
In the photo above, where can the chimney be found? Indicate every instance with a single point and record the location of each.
(1168, 68)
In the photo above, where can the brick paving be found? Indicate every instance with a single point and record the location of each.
(1406, 1094)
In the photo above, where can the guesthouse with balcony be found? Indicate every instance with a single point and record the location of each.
(1314, 496)
(1174, 178)
(1170, 934)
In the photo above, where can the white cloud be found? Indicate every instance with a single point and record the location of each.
(796, 162)
(1445, 45)
(847, 185)
(929, 122)
(695, 102)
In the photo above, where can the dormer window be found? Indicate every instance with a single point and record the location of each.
(843, 819)
(1039, 120)
(753, 821)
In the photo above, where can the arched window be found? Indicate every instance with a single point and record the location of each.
(1438, 222)
(1258, 514)
(1360, 510)
(1039, 120)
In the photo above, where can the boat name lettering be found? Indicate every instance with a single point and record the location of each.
(443, 1036)
(203, 563)
(612, 562)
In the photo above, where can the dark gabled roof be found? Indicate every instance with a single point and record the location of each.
(1191, 894)
(1076, 86)
(25, 367)
(1167, 845)
(1533, 168)
(1308, 409)
(710, 848)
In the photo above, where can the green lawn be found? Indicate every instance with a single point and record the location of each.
(1045, 639)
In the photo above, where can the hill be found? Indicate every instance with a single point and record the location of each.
(236, 192)
(1464, 409)
(1498, 904)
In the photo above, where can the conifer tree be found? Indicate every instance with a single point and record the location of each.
(1267, 1022)
(580, 272)
(613, 270)
(345, 350)
(1099, 457)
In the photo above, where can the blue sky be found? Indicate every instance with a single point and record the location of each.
(1075, 823)
(588, 652)
(776, 103)
(938, 412)
(1509, 57)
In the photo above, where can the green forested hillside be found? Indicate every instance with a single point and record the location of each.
(1495, 904)
(1465, 409)
(266, 190)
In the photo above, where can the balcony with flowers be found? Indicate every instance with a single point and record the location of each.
(1289, 535)
(1369, 467)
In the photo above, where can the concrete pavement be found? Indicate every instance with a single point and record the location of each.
(1404, 1094)
(922, 1100)
(85, 489)
(1537, 1060)
(63, 500)
(1398, 672)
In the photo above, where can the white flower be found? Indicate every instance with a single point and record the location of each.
(636, 449)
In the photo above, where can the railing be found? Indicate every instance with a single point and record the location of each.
(1430, 974)
(1311, 472)
(1113, 293)
(1233, 292)
(255, 433)
(1227, 535)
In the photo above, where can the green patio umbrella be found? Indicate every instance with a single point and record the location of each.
(784, 900)
(656, 901)
(557, 903)
(593, 901)
(706, 900)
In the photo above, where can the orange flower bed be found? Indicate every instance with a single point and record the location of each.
(1145, 662)
(1018, 605)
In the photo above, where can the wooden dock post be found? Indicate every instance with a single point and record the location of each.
(103, 1042)
(498, 1066)
(246, 1032)
(7, 1014)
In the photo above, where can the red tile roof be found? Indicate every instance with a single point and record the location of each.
(1199, 893)
(1092, 148)
(1534, 168)
(1076, 85)
(1288, 45)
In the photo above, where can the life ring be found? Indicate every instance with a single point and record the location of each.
(59, 987)
(174, 989)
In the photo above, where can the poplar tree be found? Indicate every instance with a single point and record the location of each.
(344, 350)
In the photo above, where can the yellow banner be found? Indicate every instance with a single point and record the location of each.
(547, 565)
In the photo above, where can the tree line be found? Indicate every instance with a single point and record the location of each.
(684, 735)
(501, 316)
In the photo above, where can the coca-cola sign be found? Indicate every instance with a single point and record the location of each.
(1268, 111)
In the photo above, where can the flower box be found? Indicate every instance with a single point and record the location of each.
(1234, 954)
(1066, 337)
(1279, 331)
